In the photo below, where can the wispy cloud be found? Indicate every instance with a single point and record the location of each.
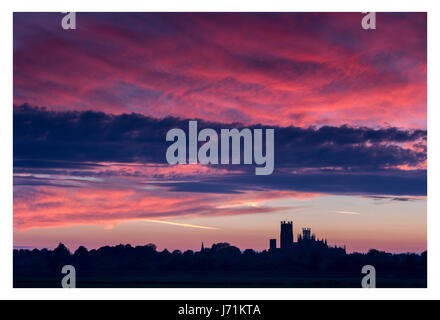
(207, 68)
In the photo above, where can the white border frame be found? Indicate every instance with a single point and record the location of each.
(6, 245)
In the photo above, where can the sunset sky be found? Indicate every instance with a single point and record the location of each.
(92, 107)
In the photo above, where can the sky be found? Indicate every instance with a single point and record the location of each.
(92, 107)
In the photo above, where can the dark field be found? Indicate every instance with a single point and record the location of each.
(224, 281)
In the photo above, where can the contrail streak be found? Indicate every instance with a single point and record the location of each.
(347, 212)
(181, 224)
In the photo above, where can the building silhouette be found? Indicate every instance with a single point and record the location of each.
(286, 235)
(306, 235)
(305, 240)
(273, 244)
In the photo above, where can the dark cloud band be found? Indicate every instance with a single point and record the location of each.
(327, 159)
